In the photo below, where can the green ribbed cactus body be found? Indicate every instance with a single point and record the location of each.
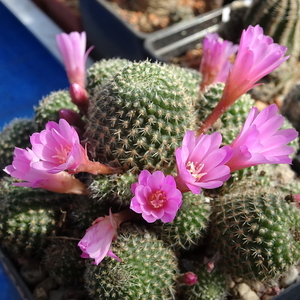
(15, 134)
(256, 234)
(210, 286)
(63, 263)
(189, 225)
(102, 70)
(113, 190)
(139, 117)
(147, 270)
(49, 107)
(27, 218)
(232, 120)
(280, 20)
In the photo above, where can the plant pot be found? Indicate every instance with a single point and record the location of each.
(111, 35)
(173, 41)
(67, 19)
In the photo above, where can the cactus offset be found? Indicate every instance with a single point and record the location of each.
(256, 233)
(49, 107)
(139, 117)
(187, 229)
(113, 190)
(147, 270)
(103, 70)
(63, 263)
(28, 217)
(15, 134)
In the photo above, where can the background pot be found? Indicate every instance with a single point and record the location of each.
(111, 35)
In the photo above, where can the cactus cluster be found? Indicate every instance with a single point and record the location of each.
(137, 117)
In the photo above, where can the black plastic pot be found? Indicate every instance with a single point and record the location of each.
(291, 293)
(179, 38)
(109, 33)
(114, 37)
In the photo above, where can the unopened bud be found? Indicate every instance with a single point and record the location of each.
(72, 117)
(79, 97)
(188, 278)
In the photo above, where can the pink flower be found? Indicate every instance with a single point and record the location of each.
(257, 57)
(215, 65)
(156, 197)
(72, 49)
(260, 140)
(58, 147)
(201, 162)
(27, 166)
(97, 240)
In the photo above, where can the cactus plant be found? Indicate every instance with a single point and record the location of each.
(28, 217)
(256, 232)
(140, 129)
(49, 107)
(14, 134)
(147, 269)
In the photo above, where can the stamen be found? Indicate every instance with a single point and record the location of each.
(195, 168)
(157, 199)
(62, 154)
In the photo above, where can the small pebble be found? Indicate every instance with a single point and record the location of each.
(289, 277)
(40, 294)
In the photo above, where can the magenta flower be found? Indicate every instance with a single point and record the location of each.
(97, 240)
(260, 140)
(58, 147)
(201, 162)
(215, 65)
(27, 166)
(156, 197)
(257, 57)
(72, 49)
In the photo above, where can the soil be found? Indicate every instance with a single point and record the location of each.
(146, 19)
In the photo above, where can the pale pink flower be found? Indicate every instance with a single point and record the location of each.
(97, 240)
(58, 147)
(215, 65)
(156, 197)
(201, 162)
(27, 166)
(72, 49)
(260, 140)
(258, 56)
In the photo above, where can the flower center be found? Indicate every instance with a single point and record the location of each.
(157, 199)
(62, 153)
(195, 169)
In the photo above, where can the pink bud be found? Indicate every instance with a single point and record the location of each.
(79, 97)
(72, 117)
(189, 278)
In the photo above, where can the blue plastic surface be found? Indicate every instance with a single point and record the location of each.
(8, 289)
(28, 71)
